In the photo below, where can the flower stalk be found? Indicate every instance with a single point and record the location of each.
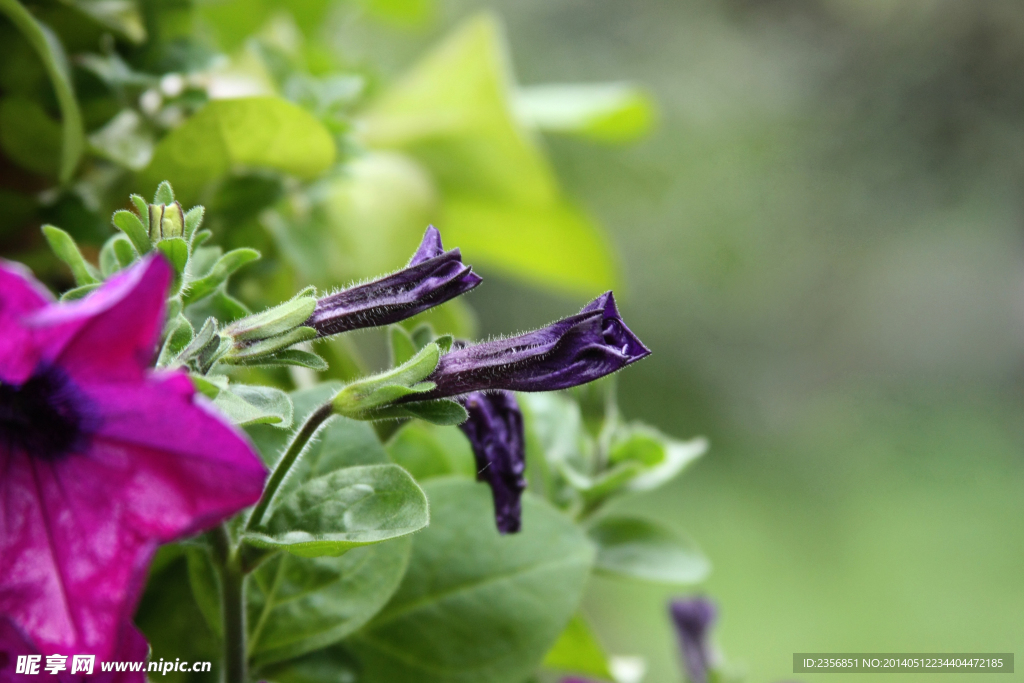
(302, 438)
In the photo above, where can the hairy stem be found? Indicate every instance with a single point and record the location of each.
(295, 448)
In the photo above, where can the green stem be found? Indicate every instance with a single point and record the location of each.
(232, 607)
(295, 448)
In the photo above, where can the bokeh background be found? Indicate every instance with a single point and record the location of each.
(822, 241)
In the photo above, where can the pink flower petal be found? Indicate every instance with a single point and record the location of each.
(20, 294)
(71, 565)
(112, 333)
(78, 529)
(131, 647)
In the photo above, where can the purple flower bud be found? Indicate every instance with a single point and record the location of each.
(572, 351)
(693, 619)
(432, 277)
(495, 431)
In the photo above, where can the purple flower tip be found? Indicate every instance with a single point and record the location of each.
(693, 619)
(575, 350)
(432, 277)
(495, 431)
(102, 458)
(429, 248)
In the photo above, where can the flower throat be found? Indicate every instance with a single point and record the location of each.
(46, 417)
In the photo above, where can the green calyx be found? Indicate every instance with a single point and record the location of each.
(367, 398)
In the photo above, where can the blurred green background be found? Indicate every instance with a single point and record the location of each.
(822, 242)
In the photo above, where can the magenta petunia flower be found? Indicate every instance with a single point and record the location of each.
(101, 458)
(131, 647)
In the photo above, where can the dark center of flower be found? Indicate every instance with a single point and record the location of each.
(47, 416)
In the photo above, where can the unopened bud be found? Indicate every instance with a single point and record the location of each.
(166, 221)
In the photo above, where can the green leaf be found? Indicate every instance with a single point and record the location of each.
(164, 194)
(474, 606)
(117, 253)
(401, 344)
(63, 245)
(205, 583)
(245, 405)
(452, 113)
(79, 292)
(578, 651)
(635, 548)
(176, 251)
(328, 664)
(50, 51)
(123, 251)
(288, 357)
(554, 243)
(194, 219)
(29, 137)
(608, 112)
(122, 16)
(141, 205)
(181, 334)
(440, 412)
(262, 132)
(132, 226)
(298, 605)
(429, 451)
(174, 625)
(642, 444)
(125, 140)
(347, 508)
(225, 266)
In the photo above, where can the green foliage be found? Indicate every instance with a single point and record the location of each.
(350, 507)
(342, 567)
(67, 251)
(342, 443)
(612, 112)
(247, 404)
(50, 51)
(581, 469)
(578, 651)
(453, 114)
(475, 606)
(432, 451)
(643, 549)
(29, 136)
(259, 131)
(299, 605)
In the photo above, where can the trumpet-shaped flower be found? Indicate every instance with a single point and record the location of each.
(575, 350)
(432, 277)
(101, 458)
(495, 431)
(131, 646)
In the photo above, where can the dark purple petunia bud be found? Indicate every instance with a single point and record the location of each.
(432, 277)
(495, 431)
(575, 350)
(693, 619)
